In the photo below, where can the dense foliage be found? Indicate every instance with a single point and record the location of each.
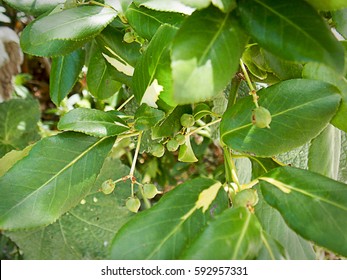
(206, 129)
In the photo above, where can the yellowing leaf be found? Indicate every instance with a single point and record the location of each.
(120, 65)
(151, 94)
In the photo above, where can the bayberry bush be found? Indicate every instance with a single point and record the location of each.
(211, 130)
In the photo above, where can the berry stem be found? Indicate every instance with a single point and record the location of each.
(132, 169)
(125, 103)
(253, 91)
(202, 127)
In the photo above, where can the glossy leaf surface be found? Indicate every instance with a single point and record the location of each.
(235, 234)
(102, 77)
(76, 24)
(321, 72)
(64, 74)
(292, 30)
(146, 21)
(202, 60)
(86, 231)
(165, 236)
(326, 145)
(34, 7)
(275, 226)
(301, 197)
(93, 122)
(155, 65)
(300, 110)
(58, 172)
(166, 6)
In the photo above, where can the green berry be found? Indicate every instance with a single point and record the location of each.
(149, 190)
(248, 197)
(172, 145)
(108, 186)
(129, 37)
(181, 139)
(261, 117)
(157, 150)
(133, 204)
(187, 120)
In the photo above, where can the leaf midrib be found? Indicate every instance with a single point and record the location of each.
(310, 195)
(241, 236)
(54, 28)
(55, 176)
(279, 114)
(290, 23)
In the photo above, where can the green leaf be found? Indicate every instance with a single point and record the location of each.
(102, 78)
(186, 153)
(342, 176)
(146, 117)
(271, 249)
(146, 22)
(154, 66)
(302, 197)
(340, 20)
(320, 72)
(165, 6)
(202, 59)
(201, 110)
(326, 145)
(233, 235)
(8, 160)
(64, 74)
(225, 5)
(86, 231)
(283, 69)
(111, 43)
(34, 7)
(171, 124)
(93, 122)
(197, 4)
(79, 23)
(18, 124)
(292, 30)
(300, 110)
(328, 5)
(58, 172)
(152, 235)
(255, 62)
(275, 226)
(47, 48)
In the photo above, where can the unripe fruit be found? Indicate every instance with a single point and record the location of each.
(172, 145)
(133, 204)
(187, 120)
(128, 37)
(157, 150)
(108, 186)
(248, 197)
(261, 117)
(149, 190)
(181, 139)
